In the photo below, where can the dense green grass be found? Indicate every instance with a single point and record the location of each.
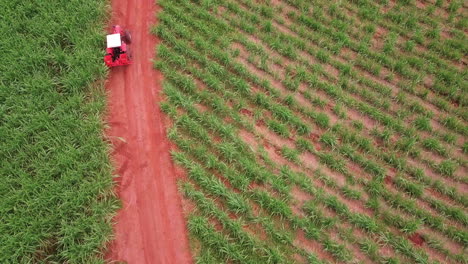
(56, 195)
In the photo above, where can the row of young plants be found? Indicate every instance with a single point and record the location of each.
(355, 218)
(241, 88)
(276, 207)
(382, 170)
(342, 16)
(192, 126)
(400, 20)
(198, 172)
(264, 198)
(372, 203)
(440, 48)
(384, 60)
(407, 54)
(339, 66)
(428, 142)
(435, 23)
(406, 226)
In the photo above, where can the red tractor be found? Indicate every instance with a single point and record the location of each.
(117, 52)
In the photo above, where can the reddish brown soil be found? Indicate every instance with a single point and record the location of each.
(417, 239)
(247, 112)
(150, 227)
(312, 246)
(388, 180)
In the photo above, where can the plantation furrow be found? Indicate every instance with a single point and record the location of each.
(328, 191)
(250, 218)
(409, 226)
(209, 207)
(319, 159)
(307, 188)
(374, 56)
(334, 185)
(368, 128)
(389, 23)
(436, 22)
(420, 101)
(337, 16)
(424, 205)
(340, 232)
(383, 24)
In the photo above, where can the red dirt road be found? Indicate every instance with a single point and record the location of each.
(150, 227)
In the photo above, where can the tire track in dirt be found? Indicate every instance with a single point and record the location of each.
(150, 227)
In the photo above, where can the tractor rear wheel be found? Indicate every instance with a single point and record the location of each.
(127, 37)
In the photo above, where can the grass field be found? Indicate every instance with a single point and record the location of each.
(55, 176)
(319, 131)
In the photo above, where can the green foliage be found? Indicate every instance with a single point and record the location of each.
(338, 110)
(278, 128)
(434, 145)
(453, 124)
(406, 144)
(206, 232)
(352, 194)
(290, 154)
(447, 167)
(365, 222)
(274, 206)
(384, 135)
(465, 148)
(334, 163)
(329, 139)
(323, 57)
(385, 112)
(304, 145)
(56, 178)
(422, 123)
(405, 225)
(358, 125)
(409, 187)
(322, 120)
(317, 101)
(449, 138)
(409, 45)
(454, 6)
(390, 42)
(338, 250)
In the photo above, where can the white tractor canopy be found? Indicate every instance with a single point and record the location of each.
(114, 41)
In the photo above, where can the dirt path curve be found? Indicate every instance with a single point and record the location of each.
(150, 227)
